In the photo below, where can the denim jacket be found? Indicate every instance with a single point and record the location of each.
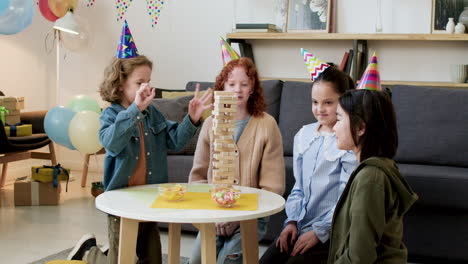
(119, 135)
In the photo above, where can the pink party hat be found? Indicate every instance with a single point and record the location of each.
(227, 52)
(370, 79)
(127, 48)
(314, 64)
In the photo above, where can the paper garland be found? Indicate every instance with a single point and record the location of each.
(153, 9)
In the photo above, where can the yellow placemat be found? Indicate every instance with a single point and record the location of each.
(203, 201)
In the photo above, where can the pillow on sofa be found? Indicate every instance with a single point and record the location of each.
(175, 109)
(271, 88)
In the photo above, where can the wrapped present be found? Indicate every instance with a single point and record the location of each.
(12, 119)
(50, 174)
(3, 113)
(29, 192)
(12, 102)
(18, 130)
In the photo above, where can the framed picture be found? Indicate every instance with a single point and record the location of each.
(442, 10)
(309, 16)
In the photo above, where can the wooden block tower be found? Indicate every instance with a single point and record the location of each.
(224, 118)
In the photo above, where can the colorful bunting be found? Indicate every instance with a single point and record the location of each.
(153, 7)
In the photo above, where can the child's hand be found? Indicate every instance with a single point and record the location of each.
(143, 96)
(305, 242)
(197, 105)
(287, 237)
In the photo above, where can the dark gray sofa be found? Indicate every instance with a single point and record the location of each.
(432, 156)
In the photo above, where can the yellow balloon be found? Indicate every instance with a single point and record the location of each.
(61, 7)
(84, 132)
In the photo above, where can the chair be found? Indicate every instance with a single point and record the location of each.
(84, 174)
(20, 148)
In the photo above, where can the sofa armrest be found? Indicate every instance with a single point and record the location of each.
(35, 118)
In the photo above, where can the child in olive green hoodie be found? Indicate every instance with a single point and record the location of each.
(368, 221)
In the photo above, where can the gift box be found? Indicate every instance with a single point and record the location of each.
(12, 119)
(18, 130)
(28, 192)
(12, 102)
(48, 174)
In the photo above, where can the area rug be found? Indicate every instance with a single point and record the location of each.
(64, 254)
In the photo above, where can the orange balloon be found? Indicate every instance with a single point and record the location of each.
(61, 7)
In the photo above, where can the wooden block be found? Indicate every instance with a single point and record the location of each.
(222, 129)
(225, 109)
(223, 103)
(223, 169)
(219, 157)
(220, 145)
(218, 173)
(228, 125)
(224, 149)
(224, 181)
(220, 165)
(223, 115)
(222, 133)
(224, 121)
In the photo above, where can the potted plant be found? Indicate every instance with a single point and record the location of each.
(97, 188)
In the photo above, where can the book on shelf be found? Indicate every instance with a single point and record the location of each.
(257, 30)
(255, 26)
(348, 62)
(344, 61)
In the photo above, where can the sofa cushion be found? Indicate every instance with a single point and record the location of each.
(271, 89)
(295, 112)
(432, 125)
(175, 110)
(438, 186)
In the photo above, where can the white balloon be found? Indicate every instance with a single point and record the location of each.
(84, 132)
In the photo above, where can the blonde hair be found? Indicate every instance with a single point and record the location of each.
(116, 74)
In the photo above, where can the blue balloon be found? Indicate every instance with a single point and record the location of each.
(4, 4)
(57, 123)
(16, 17)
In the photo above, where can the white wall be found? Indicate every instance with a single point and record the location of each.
(184, 47)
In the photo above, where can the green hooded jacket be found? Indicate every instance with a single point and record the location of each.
(368, 220)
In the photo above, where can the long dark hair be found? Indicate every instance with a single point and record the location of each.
(373, 110)
(340, 81)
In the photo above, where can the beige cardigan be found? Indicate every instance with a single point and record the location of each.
(259, 159)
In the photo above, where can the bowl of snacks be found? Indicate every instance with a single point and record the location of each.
(172, 192)
(225, 195)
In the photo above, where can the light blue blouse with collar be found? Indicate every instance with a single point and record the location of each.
(321, 171)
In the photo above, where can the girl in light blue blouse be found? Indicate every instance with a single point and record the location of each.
(321, 171)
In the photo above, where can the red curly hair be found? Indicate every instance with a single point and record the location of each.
(256, 103)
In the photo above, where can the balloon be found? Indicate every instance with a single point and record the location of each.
(57, 123)
(16, 17)
(84, 132)
(83, 102)
(4, 4)
(74, 42)
(45, 10)
(61, 7)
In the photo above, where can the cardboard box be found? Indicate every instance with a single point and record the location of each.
(18, 131)
(39, 173)
(28, 192)
(12, 119)
(12, 102)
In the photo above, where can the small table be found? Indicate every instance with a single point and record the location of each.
(133, 206)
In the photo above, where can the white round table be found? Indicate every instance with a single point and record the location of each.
(133, 205)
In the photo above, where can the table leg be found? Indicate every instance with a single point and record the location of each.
(249, 240)
(208, 243)
(128, 240)
(173, 253)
